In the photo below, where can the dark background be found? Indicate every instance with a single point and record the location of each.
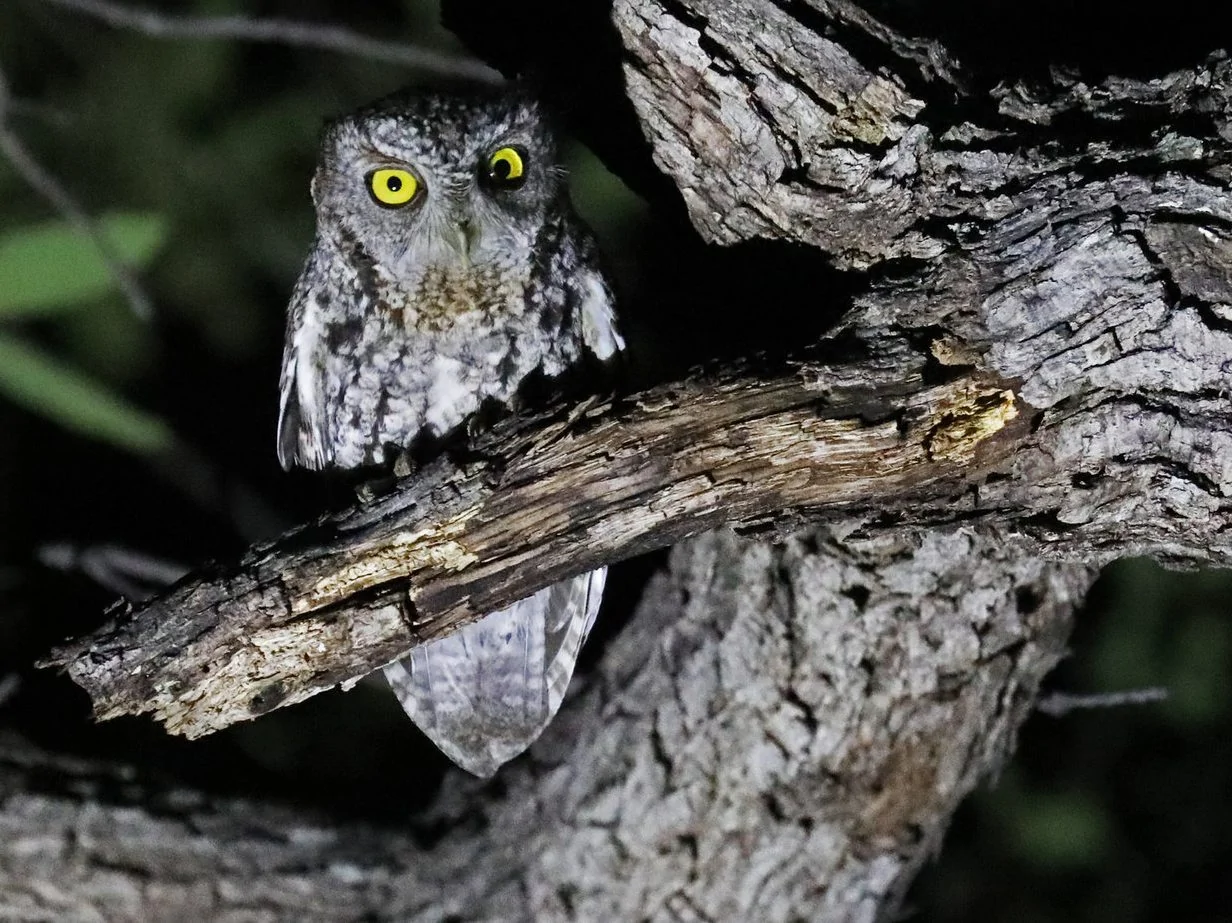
(159, 436)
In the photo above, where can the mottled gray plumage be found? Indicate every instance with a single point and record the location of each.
(406, 318)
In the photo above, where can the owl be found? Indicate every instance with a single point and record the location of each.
(448, 266)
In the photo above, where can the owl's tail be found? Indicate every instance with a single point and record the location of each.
(486, 692)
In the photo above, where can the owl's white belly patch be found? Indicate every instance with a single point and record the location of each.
(451, 397)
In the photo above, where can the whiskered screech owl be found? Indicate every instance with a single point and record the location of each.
(448, 266)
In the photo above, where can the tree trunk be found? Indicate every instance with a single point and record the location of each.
(1032, 380)
(782, 730)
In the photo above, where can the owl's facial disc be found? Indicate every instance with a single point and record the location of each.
(429, 189)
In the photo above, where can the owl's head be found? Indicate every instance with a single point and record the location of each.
(423, 180)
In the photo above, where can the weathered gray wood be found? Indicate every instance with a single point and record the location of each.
(1036, 380)
(781, 731)
(589, 485)
(1067, 305)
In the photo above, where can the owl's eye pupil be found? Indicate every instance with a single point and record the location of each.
(501, 169)
(393, 184)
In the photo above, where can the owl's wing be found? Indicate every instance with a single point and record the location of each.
(598, 314)
(301, 437)
(486, 692)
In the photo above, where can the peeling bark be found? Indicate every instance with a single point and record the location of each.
(1034, 380)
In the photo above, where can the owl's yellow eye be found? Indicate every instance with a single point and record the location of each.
(392, 187)
(506, 168)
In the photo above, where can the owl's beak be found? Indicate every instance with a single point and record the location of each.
(466, 235)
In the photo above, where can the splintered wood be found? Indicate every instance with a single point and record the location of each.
(539, 500)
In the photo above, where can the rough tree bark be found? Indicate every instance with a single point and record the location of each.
(779, 734)
(785, 727)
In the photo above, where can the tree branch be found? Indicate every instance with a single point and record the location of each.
(157, 24)
(1060, 704)
(852, 720)
(1023, 395)
(535, 502)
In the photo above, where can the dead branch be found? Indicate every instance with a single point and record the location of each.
(157, 24)
(537, 501)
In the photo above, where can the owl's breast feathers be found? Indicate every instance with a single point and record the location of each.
(372, 362)
(443, 298)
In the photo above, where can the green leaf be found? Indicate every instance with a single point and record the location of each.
(51, 267)
(41, 384)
